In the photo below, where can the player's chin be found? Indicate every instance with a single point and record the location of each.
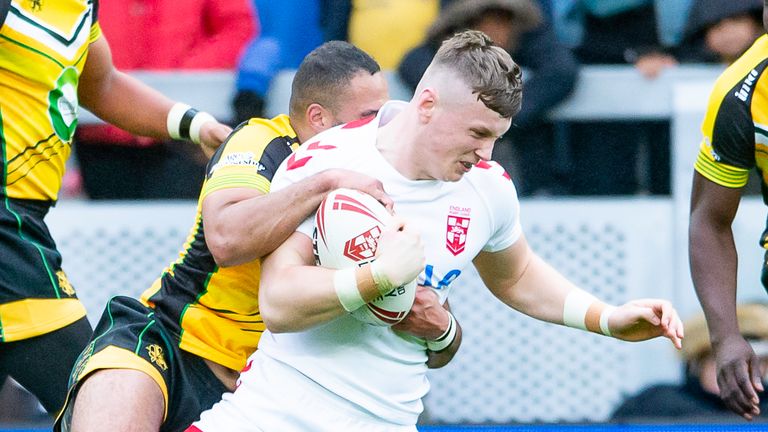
(454, 176)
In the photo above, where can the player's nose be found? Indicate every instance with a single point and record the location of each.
(485, 151)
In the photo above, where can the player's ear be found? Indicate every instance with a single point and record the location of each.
(318, 117)
(425, 104)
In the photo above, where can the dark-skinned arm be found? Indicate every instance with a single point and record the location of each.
(428, 319)
(441, 358)
(243, 224)
(129, 104)
(713, 262)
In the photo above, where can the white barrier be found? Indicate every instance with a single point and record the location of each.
(510, 368)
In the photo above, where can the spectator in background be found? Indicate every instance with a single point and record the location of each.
(605, 153)
(279, 46)
(386, 30)
(696, 399)
(519, 27)
(159, 35)
(720, 32)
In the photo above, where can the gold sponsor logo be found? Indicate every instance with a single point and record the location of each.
(64, 284)
(81, 362)
(156, 356)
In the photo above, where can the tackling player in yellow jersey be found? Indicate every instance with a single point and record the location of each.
(52, 59)
(177, 350)
(735, 141)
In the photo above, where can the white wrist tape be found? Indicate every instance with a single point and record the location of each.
(198, 120)
(576, 308)
(577, 304)
(446, 339)
(383, 284)
(345, 284)
(604, 315)
(173, 121)
(184, 122)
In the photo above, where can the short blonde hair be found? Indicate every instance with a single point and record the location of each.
(486, 68)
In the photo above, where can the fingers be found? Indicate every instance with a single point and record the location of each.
(385, 200)
(399, 253)
(672, 326)
(377, 192)
(364, 183)
(652, 316)
(755, 374)
(212, 135)
(737, 392)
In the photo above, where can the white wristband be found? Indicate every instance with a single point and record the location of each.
(580, 311)
(198, 120)
(184, 122)
(383, 284)
(604, 315)
(577, 303)
(345, 284)
(446, 339)
(173, 121)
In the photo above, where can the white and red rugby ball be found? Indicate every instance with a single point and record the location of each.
(348, 224)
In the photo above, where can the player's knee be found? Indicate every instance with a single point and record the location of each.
(117, 399)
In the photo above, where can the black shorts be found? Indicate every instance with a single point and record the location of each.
(35, 294)
(129, 337)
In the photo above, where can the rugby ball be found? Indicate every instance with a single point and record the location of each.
(348, 224)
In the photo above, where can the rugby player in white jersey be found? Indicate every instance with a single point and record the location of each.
(320, 369)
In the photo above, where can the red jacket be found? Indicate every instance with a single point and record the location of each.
(165, 34)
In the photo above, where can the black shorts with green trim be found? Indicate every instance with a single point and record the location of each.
(36, 297)
(30, 259)
(129, 337)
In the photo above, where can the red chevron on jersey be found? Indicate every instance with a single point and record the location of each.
(317, 146)
(359, 122)
(294, 163)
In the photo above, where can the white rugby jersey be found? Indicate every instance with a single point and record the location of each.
(383, 371)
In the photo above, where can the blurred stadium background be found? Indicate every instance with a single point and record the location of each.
(510, 369)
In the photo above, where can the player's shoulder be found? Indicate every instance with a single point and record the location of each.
(276, 126)
(489, 176)
(739, 80)
(489, 181)
(258, 133)
(339, 140)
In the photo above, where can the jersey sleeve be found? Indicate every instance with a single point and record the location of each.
(249, 158)
(726, 153)
(503, 206)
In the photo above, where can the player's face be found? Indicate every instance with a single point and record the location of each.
(461, 135)
(363, 97)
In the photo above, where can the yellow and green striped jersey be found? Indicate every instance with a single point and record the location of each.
(735, 127)
(43, 47)
(215, 310)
